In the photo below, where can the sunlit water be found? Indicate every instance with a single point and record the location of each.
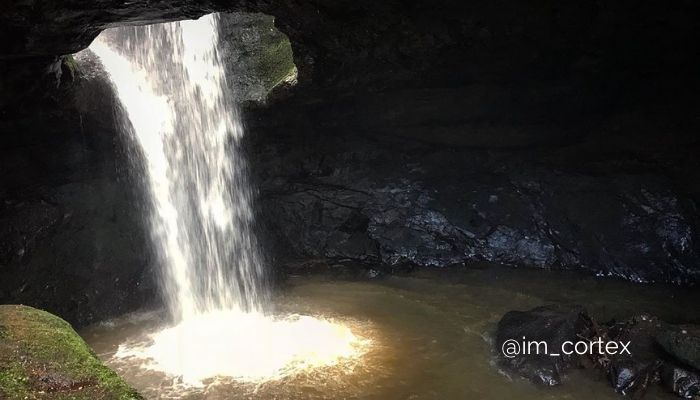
(176, 102)
(173, 90)
(431, 337)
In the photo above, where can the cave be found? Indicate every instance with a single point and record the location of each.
(351, 199)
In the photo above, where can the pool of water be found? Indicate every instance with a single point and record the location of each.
(430, 335)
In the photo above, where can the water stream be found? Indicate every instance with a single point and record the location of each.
(172, 86)
(178, 106)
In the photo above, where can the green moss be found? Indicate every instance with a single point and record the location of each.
(71, 65)
(14, 383)
(275, 62)
(54, 362)
(261, 56)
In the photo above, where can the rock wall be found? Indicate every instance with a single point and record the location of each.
(399, 202)
(72, 239)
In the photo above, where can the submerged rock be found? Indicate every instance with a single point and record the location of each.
(41, 356)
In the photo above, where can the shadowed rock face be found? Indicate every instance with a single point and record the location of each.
(49, 29)
(72, 236)
(401, 203)
(360, 44)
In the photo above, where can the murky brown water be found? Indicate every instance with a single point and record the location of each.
(431, 335)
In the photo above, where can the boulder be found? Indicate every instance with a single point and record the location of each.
(41, 356)
(552, 325)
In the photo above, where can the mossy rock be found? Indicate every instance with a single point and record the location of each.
(69, 63)
(258, 57)
(42, 357)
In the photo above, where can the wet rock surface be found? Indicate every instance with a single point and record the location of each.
(631, 373)
(398, 203)
(681, 381)
(636, 362)
(548, 325)
(649, 362)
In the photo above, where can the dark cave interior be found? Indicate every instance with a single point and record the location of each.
(538, 135)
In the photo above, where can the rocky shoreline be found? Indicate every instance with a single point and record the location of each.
(646, 351)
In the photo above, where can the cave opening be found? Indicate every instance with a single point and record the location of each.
(473, 200)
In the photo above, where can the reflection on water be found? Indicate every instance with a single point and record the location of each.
(248, 347)
(430, 336)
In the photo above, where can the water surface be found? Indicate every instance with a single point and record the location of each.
(430, 335)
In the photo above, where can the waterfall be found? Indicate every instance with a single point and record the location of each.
(171, 82)
(173, 91)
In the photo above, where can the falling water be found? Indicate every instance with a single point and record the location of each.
(173, 87)
(171, 83)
